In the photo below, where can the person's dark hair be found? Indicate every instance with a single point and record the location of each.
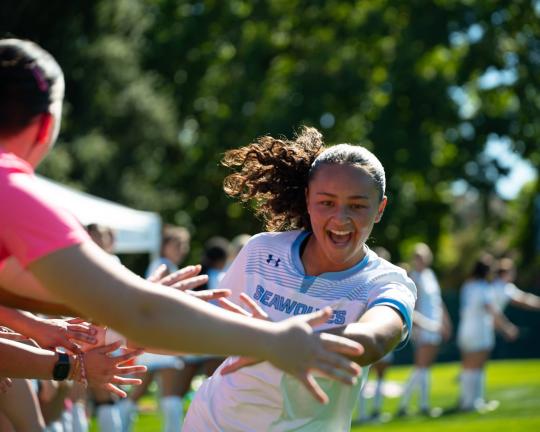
(216, 251)
(214, 256)
(30, 82)
(483, 267)
(274, 173)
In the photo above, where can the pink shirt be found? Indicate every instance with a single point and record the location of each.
(30, 228)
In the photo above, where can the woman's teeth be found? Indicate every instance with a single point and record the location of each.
(339, 237)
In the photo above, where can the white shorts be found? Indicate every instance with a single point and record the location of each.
(426, 337)
(471, 343)
(157, 361)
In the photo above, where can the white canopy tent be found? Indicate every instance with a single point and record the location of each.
(135, 231)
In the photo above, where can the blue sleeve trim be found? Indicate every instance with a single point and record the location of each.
(402, 310)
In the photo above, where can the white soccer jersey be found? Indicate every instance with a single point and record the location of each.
(261, 397)
(429, 304)
(476, 330)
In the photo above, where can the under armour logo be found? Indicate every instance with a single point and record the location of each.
(271, 260)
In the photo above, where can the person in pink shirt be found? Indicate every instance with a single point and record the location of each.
(58, 253)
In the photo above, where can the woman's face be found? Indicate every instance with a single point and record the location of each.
(419, 262)
(343, 204)
(175, 250)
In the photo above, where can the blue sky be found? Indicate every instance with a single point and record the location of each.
(522, 171)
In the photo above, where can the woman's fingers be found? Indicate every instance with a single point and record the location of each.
(81, 328)
(207, 295)
(342, 345)
(180, 275)
(336, 374)
(82, 337)
(128, 355)
(256, 310)
(158, 273)
(128, 370)
(70, 346)
(316, 318)
(332, 353)
(125, 381)
(239, 363)
(233, 307)
(107, 349)
(13, 336)
(192, 282)
(113, 389)
(79, 332)
(313, 387)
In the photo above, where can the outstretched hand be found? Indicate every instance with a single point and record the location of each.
(66, 333)
(320, 352)
(187, 279)
(104, 371)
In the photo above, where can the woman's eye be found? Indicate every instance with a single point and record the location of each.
(327, 203)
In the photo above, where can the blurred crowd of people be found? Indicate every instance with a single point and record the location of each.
(483, 298)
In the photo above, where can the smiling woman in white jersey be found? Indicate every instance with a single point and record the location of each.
(325, 202)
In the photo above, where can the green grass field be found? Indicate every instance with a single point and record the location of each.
(516, 384)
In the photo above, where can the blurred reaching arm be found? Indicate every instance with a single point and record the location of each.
(525, 300)
(49, 333)
(502, 324)
(155, 316)
(8, 299)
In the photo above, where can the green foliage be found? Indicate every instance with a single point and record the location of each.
(157, 90)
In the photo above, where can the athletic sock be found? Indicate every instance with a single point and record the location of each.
(128, 413)
(479, 386)
(79, 421)
(173, 413)
(378, 396)
(67, 420)
(108, 418)
(362, 405)
(424, 388)
(410, 386)
(467, 389)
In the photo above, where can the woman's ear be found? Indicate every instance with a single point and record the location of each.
(380, 210)
(46, 126)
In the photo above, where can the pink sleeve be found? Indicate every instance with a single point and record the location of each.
(30, 228)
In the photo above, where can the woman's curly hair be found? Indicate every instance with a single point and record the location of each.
(275, 173)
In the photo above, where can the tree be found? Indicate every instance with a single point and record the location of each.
(158, 89)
